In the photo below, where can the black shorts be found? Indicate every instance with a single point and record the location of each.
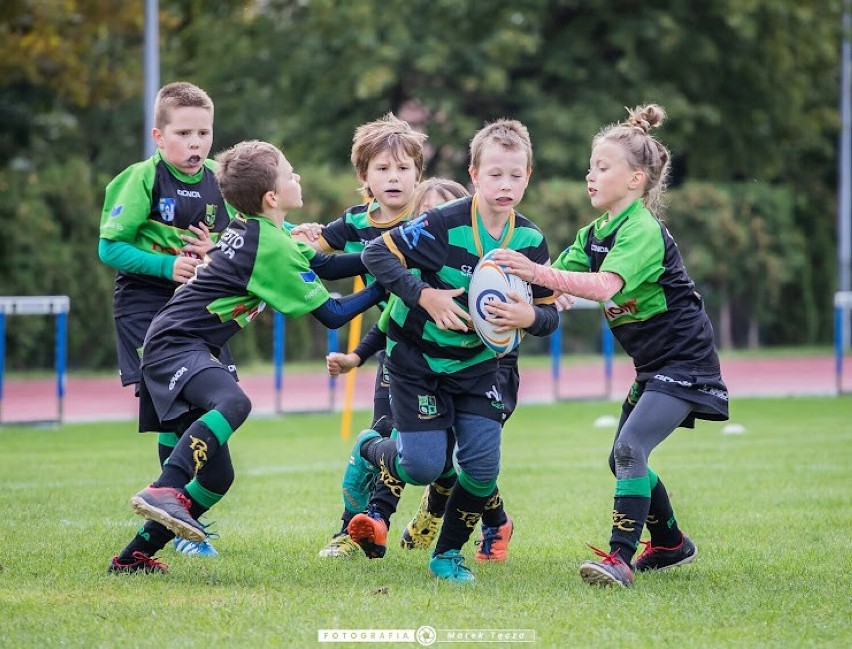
(160, 394)
(130, 333)
(510, 383)
(381, 391)
(705, 391)
(429, 401)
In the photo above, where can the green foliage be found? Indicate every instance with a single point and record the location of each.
(732, 493)
(750, 88)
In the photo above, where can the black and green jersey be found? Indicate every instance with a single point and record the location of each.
(355, 229)
(254, 264)
(657, 316)
(445, 244)
(149, 205)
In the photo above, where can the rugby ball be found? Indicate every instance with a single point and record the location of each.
(489, 283)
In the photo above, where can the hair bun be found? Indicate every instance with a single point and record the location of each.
(646, 117)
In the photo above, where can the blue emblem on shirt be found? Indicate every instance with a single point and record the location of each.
(167, 209)
(116, 211)
(308, 276)
(413, 230)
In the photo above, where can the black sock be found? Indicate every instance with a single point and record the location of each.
(381, 450)
(439, 493)
(463, 513)
(387, 493)
(150, 538)
(628, 519)
(661, 521)
(192, 452)
(494, 514)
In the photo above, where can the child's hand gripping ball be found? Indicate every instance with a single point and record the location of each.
(490, 282)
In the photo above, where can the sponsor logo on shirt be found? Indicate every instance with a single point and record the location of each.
(189, 193)
(308, 276)
(230, 242)
(596, 247)
(166, 206)
(613, 311)
(116, 211)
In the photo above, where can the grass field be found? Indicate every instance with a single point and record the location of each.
(770, 510)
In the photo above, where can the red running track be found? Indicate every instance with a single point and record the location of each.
(93, 399)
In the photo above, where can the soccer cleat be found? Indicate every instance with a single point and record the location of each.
(495, 541)
(423, 529)
(195, 548)
(359, 476)
(170, 508)
(370, 532)
(341, 546)
(450, 567)
(660, 558)
(612, 571)
(141, 563)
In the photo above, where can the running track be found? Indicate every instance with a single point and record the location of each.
(95, 399)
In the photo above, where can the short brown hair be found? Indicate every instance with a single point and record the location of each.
(388, 133)
(246, 172)
(180, 94)
(508, 133)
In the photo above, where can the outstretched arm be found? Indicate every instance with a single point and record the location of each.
(598, 287)
(337, 266)
(336, 312)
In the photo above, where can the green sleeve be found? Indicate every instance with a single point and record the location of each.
(123, 256)
(384, 318)
(637, 255)
(127, 202)
(574, 258)
(282, 276)
(305, 249)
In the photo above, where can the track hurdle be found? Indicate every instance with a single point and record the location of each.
(842, 308)
(279, 358)
(56, 305)
(607, 349)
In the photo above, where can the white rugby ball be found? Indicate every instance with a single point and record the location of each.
(489, 283)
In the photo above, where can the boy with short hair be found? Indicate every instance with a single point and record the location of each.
(387, 156)
(441, 374)
(160, 217)
(185, 387)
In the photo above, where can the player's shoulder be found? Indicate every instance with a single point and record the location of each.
(135, 171)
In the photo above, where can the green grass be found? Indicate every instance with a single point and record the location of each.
(769, 510)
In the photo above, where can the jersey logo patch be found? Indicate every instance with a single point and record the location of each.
(210, 216)
(166, 206)
(116, 211)
(308, 276)
(413, 230)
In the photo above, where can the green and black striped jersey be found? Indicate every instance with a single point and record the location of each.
(445, 244)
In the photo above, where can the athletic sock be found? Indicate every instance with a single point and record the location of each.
(463, 513)
(494, 514)
(387, 492)
(628, 519)
(439, 493)
(150, 538)
(198, 443)
(661, 521)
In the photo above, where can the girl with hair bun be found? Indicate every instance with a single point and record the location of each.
(628, 262)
